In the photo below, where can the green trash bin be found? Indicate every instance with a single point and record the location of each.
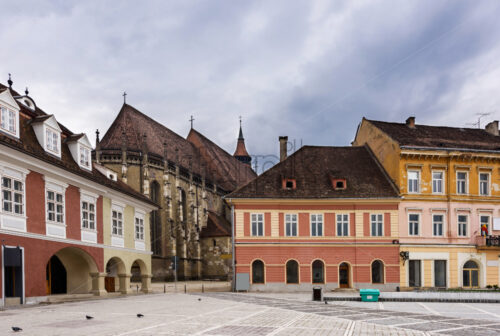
(369, 295)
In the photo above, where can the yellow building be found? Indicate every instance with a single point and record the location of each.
(448, 180)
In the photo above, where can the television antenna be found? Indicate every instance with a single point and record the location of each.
(478, 122)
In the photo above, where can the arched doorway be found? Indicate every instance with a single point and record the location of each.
(292, 272)
(470, 274)
(318, 272)
(257, 272)
(140, 276)
(69, 271)
(56, 277)
(344, 281)
(377, 272)
(114, 268)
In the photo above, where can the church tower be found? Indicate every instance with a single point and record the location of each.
(241, 152)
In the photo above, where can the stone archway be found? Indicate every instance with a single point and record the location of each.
(117, 279)
(71, 271)
(140, 273)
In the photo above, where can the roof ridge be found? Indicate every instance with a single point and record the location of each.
(425, 125)
(153, 120)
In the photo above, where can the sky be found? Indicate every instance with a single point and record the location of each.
(310, 70)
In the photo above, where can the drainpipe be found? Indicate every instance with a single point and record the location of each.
(233, 281)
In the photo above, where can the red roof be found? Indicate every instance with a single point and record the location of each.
(203, 156)
(28, 144)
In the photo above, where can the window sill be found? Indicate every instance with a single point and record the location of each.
(14, 215)
(56, 223)
(89, 230)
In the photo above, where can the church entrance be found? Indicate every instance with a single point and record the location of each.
(56, 277)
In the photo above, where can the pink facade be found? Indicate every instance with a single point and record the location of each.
(450, 212)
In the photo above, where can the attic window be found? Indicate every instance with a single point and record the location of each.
(339, 184)
(9, 122)
(53, 141)
(84, 157)
(112, 176)
(289, 184)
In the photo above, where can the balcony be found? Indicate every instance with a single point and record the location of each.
(489, 242)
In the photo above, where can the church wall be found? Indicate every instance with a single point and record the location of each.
(195, 259)
(217, 259)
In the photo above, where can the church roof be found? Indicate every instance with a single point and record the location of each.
(231, 171)
(217, 226)
(202, 155)
(241, 149)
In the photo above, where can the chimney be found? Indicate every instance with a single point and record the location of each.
(492, 128)
(410, 122)
(283, 145)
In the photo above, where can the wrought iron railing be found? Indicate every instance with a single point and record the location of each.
(493, 241)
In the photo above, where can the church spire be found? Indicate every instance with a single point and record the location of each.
(241, 151)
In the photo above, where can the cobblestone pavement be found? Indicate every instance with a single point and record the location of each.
(227, 314)
(370, 321)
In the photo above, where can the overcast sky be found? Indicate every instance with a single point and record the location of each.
(307, 69)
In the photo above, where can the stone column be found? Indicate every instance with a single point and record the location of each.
(98, 287)
(146, 283)
(124, 283)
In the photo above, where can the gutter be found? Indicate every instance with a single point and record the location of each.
(452, 149)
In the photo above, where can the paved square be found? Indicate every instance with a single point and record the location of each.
(235, 314)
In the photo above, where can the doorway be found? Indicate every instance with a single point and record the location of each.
(344, 275)
(13, 274)
(56, 277)
(471, 274)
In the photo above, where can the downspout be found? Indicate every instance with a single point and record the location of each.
(233, 261)
(449, 199)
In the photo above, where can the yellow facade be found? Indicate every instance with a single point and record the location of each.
(427, 200)
(127, 254)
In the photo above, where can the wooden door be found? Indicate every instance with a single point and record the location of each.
(109, 284)
(344, 276)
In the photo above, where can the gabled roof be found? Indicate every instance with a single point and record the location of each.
(231, 172)
(217, 226)
(314, 167)
(202, 155)
(439, 136)
(28, 144)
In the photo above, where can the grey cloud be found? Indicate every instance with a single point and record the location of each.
(309, 70)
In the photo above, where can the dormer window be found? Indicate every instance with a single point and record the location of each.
(48, 133)
(80, 147)
(339, 184)
(84, 156)
(9, 114)
(9, 122)
(52, 141)
(289, 184)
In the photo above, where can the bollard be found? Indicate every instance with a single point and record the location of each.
(202, 288)
(137, 288)
(185, 288)
(164, 288)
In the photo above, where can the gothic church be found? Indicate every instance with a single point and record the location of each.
(187, 178)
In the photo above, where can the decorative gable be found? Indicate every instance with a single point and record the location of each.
(48, 134)
(80, 148)
(9, 114)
